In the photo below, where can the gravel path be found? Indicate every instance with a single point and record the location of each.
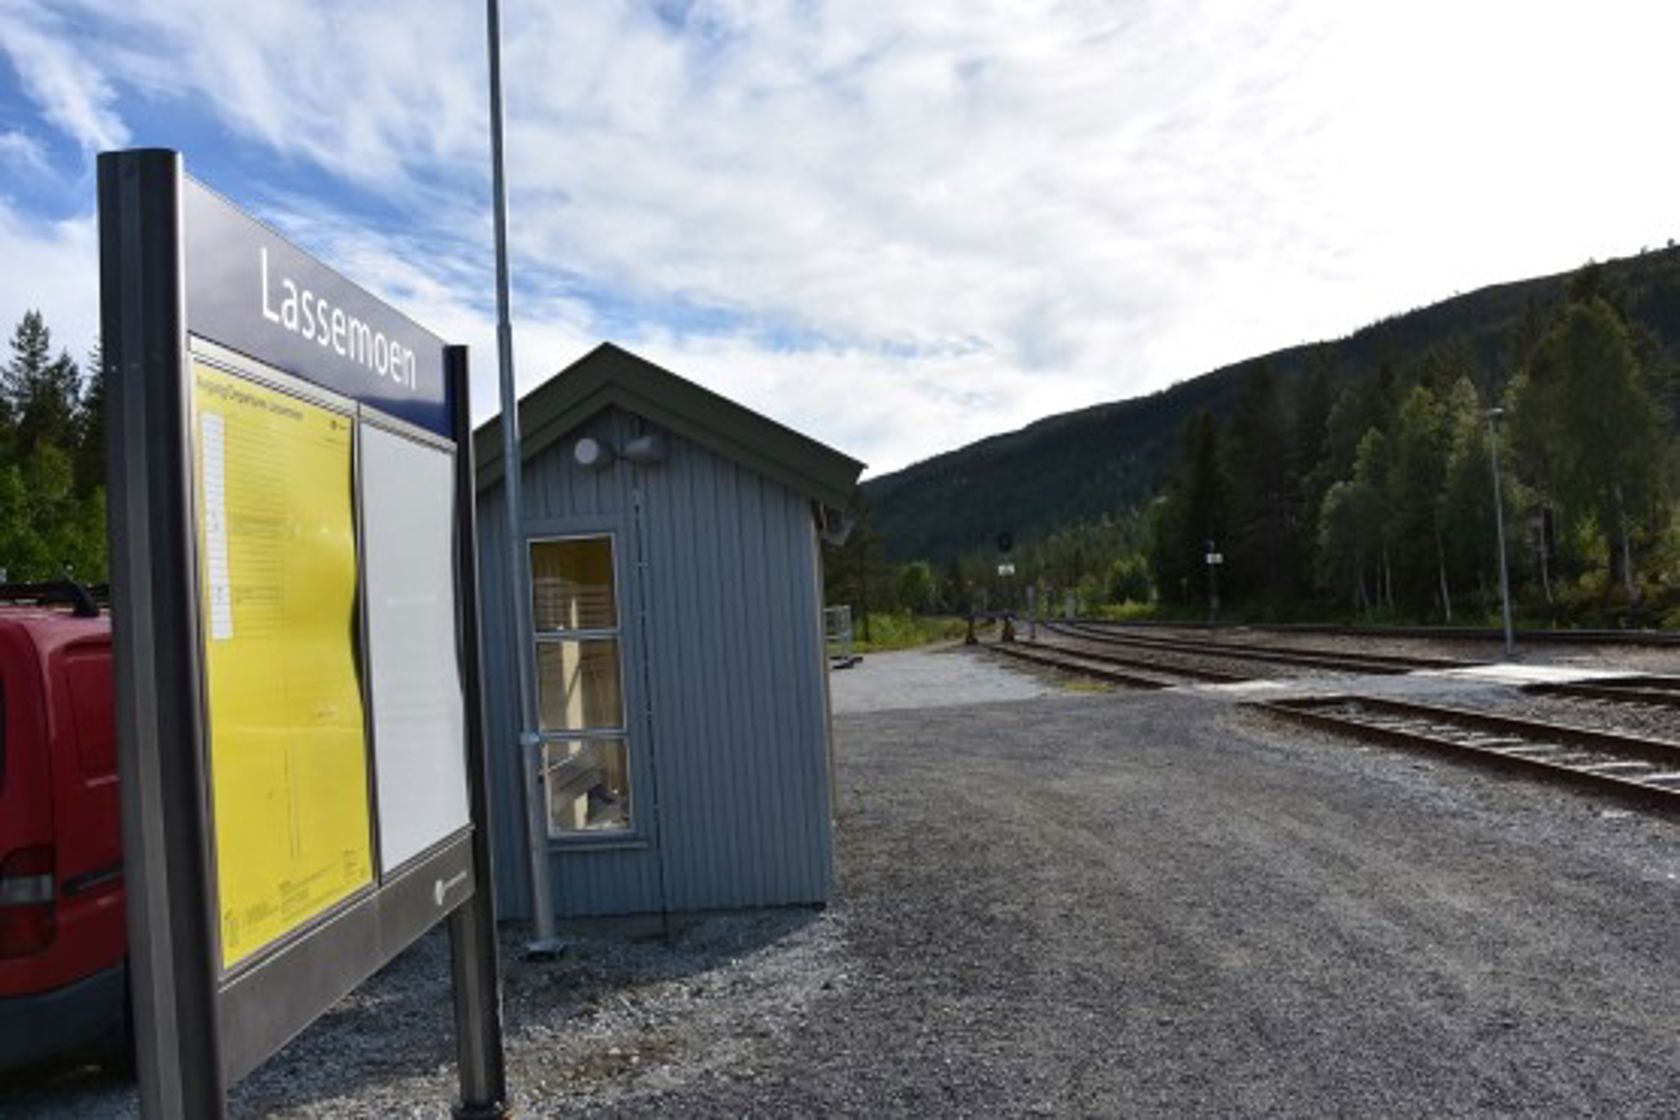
(1110, 903)
(926, 679)
(1138, 905)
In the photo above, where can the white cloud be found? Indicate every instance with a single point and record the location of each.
(900, 227)
(22, 151)
(71, 94)
(55, 270)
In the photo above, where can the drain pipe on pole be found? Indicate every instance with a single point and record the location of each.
(544, 942)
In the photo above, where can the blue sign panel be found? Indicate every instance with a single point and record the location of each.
(252, 291)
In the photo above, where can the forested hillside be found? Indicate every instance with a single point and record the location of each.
(1113, 458)
(1376, 496)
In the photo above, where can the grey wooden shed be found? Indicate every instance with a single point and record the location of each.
(677, 642)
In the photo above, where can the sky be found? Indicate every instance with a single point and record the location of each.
(894, 227)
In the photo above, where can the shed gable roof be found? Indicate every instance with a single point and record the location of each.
(609, 375)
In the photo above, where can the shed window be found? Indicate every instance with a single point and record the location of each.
(580, 694)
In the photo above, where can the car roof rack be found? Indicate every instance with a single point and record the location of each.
(77, 597)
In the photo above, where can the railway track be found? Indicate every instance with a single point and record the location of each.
(1090, 666)
(1637, 638)
(1335, 660)
(1117, 668)
(1654, 691)
(1082, 648)
(1646, 770)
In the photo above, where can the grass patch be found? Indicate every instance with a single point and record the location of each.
(1123, 612)
(889, 631)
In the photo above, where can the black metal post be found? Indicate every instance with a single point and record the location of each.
(474, 953)
(154, 615)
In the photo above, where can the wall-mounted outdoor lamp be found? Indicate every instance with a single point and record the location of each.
(643, 451)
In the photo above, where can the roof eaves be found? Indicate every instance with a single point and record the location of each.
(610, 375)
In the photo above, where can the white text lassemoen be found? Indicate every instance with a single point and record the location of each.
(312, 316)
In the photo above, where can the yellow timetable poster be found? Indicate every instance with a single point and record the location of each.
(277, 570)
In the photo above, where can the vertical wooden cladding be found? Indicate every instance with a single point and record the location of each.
(723, 673)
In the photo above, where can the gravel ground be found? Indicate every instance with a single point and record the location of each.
(926, 679)
(1112, 903)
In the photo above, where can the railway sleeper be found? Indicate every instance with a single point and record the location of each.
(1658, 692)
(1083, 666)
(1580, 756)
(1218, 676)
(1306, 656)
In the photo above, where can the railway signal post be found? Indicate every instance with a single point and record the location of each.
(1214, 559)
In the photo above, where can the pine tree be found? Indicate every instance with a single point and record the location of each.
(31, 354)
(1466, 504)
(90, 427)
(1421, 443)
(1591, 435)
(1263, 492)
(52, 499)
(48, 412)
(1188, 516)
(1354, 528)
(1313, 405)
(41, 395)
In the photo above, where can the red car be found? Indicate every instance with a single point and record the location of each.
(62, 939)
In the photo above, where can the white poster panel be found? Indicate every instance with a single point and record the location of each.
(420, 761)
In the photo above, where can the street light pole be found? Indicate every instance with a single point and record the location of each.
(544, 941)
(1493, 415)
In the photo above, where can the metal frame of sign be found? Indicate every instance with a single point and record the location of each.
(199, 1027)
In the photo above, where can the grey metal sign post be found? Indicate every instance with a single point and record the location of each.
(211, 321)
(545, 942)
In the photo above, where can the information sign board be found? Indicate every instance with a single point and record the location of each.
(288, 744)
(295, 635)
(254, 292)
(416, 677)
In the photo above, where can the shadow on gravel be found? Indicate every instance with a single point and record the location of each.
(20, 1089)
(401, 1023)
(606, 960)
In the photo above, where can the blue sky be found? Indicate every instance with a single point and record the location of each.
(895, 227)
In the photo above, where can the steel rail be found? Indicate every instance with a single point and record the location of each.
(1074, 664)
(1647, 770)
(1656, 638)
(1661, 692)
(1216, 676)
(1309, 658)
